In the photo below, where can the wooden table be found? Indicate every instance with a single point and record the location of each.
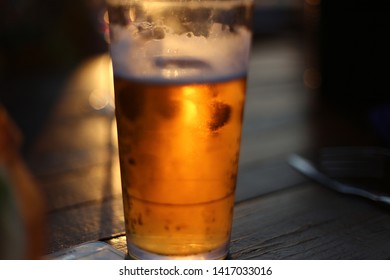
(279, 214)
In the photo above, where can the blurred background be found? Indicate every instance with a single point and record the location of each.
(320, 79)
(345, 54)
(43, 41)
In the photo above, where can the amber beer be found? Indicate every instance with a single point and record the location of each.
(179, 75)
(179, 148)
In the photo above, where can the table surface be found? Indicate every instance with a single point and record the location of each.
(279, 213)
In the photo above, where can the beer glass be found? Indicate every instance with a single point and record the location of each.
(180, 71)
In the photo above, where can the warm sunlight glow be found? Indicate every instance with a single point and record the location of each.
(313, 2)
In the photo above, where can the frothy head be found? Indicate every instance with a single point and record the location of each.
(179, 48)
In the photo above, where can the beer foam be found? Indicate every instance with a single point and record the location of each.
(160, 55)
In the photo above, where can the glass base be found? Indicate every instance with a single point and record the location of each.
(135, 253)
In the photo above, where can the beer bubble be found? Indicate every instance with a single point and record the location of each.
(148, 31)
(158, 33)
(220, 115)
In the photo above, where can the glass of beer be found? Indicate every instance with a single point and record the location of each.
(180, 70)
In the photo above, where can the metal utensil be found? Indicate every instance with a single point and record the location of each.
(361, 171)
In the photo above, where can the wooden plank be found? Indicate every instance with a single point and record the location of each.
(266, 102)
(310, 222)
(86, 185)
(276, 143)
(85, 222)
(261, 177)
(276, 102)
(275, 61)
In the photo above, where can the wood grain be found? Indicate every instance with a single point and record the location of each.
(310, 222)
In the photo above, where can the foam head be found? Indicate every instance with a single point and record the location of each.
(180, 43)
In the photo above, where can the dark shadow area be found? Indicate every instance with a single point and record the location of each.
(41, 42)
(347, 78)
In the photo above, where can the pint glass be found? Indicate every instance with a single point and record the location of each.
(180, 70)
